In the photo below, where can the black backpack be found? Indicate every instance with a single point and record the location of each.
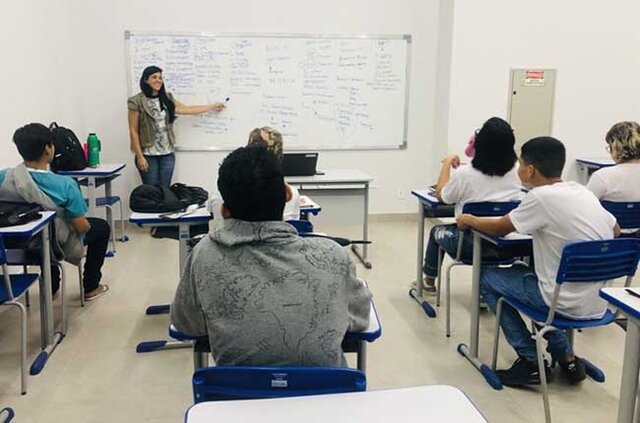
(12, 214)
(190, 195)
(69, 153)
(154, 199)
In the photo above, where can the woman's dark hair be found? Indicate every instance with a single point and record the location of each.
(31, 141)
(494, 148)
(251, 183)
(165, 102)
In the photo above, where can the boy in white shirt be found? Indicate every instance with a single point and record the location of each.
(554, 213)
(615, 183)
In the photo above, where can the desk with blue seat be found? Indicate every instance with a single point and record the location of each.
(629, 305)
(94, 177)
(49, 338)
(428, 207)
(586, 166)
(184, 220)
(511, 241)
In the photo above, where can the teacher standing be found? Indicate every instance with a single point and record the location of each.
(151, 115)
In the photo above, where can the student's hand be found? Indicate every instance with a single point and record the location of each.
(464, 221)
(218, 107)
(452, 160)
(142, 163)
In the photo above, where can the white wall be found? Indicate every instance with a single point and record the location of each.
(594, 46)
(85, 62)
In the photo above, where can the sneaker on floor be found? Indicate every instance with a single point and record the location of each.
(426, 289)
(574, 370)
(523, 372)
(98, 292)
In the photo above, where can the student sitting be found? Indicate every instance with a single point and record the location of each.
(272, 140)
(262, 294)
(492, 176)
(614, 183)
(33, 183)
(554, 213)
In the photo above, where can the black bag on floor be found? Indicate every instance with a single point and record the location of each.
(154, 199)
(69, 153)
(190, 195)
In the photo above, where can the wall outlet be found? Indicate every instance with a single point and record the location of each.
(401, 194)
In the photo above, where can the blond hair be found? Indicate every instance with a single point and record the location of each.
(624, 139)
(269, 138)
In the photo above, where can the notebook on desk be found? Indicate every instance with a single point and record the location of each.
(299, 164)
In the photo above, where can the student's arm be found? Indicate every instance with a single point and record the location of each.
(616, 230)
(186, 313)
(499, 226)
(358, 299)
(141, 162)
(183, 109)
(450, 162)
(80, 224)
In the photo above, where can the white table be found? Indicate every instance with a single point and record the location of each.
(471, 352)
(586, 166)
(340, 180)
(438, 403)
(49, 339)
(627, 304)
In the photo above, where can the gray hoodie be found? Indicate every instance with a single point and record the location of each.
(266, 296)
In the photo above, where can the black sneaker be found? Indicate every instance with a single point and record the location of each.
(523, 372)
(573, 370)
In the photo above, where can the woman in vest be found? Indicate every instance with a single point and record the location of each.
(151, 115)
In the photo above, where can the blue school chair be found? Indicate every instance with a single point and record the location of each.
(11, 290)
(626, 213)
(483, 209)
(587, 261)
(221, 383)
(302, 226)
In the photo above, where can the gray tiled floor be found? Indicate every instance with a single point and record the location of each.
(96, 375)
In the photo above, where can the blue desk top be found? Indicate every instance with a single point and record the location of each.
(620, 298)
(29, 229)
(106, 169)
(427, 196)
(514, 238)
(596, 162)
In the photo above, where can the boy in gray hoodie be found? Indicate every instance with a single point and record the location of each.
(262, 294)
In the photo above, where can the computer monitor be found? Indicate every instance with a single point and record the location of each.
(299, 164)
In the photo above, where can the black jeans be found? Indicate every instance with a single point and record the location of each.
(97, 241)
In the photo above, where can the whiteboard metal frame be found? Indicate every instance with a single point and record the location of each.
(406, 37)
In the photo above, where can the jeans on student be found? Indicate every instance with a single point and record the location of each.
(97, 241)
(520, 283)
(446, 237)
(160, 170)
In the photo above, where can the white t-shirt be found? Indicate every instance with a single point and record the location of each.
(292, 207)
(469, 185)
(616, 183)
(555, 215)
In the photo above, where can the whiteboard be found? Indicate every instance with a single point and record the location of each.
(323, 92)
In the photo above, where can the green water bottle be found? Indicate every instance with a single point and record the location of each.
(93, 147)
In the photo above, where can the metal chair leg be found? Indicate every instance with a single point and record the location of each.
(63, 294)
(496, 336)
(543, 374)
(81, 283)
